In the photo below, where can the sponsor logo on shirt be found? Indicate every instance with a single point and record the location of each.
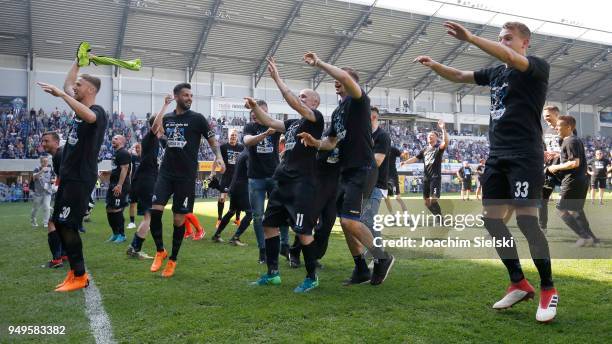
(498, 93)
(175, 132)
(265, 146)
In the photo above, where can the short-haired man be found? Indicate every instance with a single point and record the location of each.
(464, 173)
(184, 130)
(51, 144)
(118, 189)
(351, 131)
(79, 168)
(229, 151)
(513, 175)
(136, 153)
(598, 168)
(42, 191)
(572, 169)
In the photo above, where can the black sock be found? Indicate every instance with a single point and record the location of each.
(435, 208)
(71, 242)
(120, 222)
(224, 221)
(570, 221)
(132, 219)
(310, 259)
(220, 206)
(360, 263)
(55, 244)
(538, 246)
(156, 229)
(581, 219)
(177, 240)
(137, 242)
(272, 252)
(508, 255)
(111, 222)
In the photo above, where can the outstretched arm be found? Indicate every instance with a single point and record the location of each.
(290, 98)
(158, 123)
(326, 143)
(80, 109)
(448, 73)
(71, 78)
(351, 86)
(445, 138)
(263, 117)
(495, 49)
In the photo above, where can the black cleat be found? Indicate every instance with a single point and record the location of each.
(357, 278)
(381, 269)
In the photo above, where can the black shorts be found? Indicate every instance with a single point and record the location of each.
(356, 184)
(144, 187)
(291, 203)
(133, 196)
(239, 200)
(393, 187)
(513, 179)
(71, 202)
(573, 195)
(117, 202)
(431, 187)
(225, 182)
(598, 183)
(181, 190)
(466, 184)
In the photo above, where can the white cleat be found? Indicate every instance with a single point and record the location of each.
(547, 309)
(516, 293)
(132, 225)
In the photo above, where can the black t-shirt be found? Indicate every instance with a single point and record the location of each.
(183, 136)
(394, 153)
(299, 160)
(465, 172)
(263, 157)
(56, 160)
(382, 142)
(135, 163)
(121, 157)
(599, 167)
(148, 156)
(351, 125)
(432, 159)
(517, 100)
(230, 154)
(480, 170)
(572, 148)
(328, 163)
(240, 179)
(80, 157)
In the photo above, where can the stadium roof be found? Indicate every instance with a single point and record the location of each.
(234, 36)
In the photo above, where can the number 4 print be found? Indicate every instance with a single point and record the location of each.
(521, 193)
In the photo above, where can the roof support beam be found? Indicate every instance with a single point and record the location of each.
(392, 59)
(208, 24)
(344, 43)
(121, 34)
(574, 73)
(282, 32)
(448, 59)
(30, 38)
(588, 91)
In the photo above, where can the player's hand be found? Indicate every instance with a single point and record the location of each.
(250, 103)
(220, 164)
(270, 131)
(52, 90)
(117, 190)
(424, 60)
(553, 169)
(168, 99)
(307, 140)
(272, 69)
(311, 58)
(458, 31)
(441, 124)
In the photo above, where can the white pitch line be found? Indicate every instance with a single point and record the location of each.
(98, 319)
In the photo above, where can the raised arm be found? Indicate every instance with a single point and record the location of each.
(290, 98)
(158, 123)
(71, 78)
(252, 140)
(448, 73)
(351, 86)
(263, 117)
(445, 137)
(326, 143)
(495, 49)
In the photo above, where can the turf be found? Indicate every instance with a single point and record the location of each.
(209, 299)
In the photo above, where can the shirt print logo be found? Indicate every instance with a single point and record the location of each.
(498, 94)
(339, 126)
(334, 156)
(290, 135)
(232, 156)
(73, 136)
(265, 146)
(175, 132)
